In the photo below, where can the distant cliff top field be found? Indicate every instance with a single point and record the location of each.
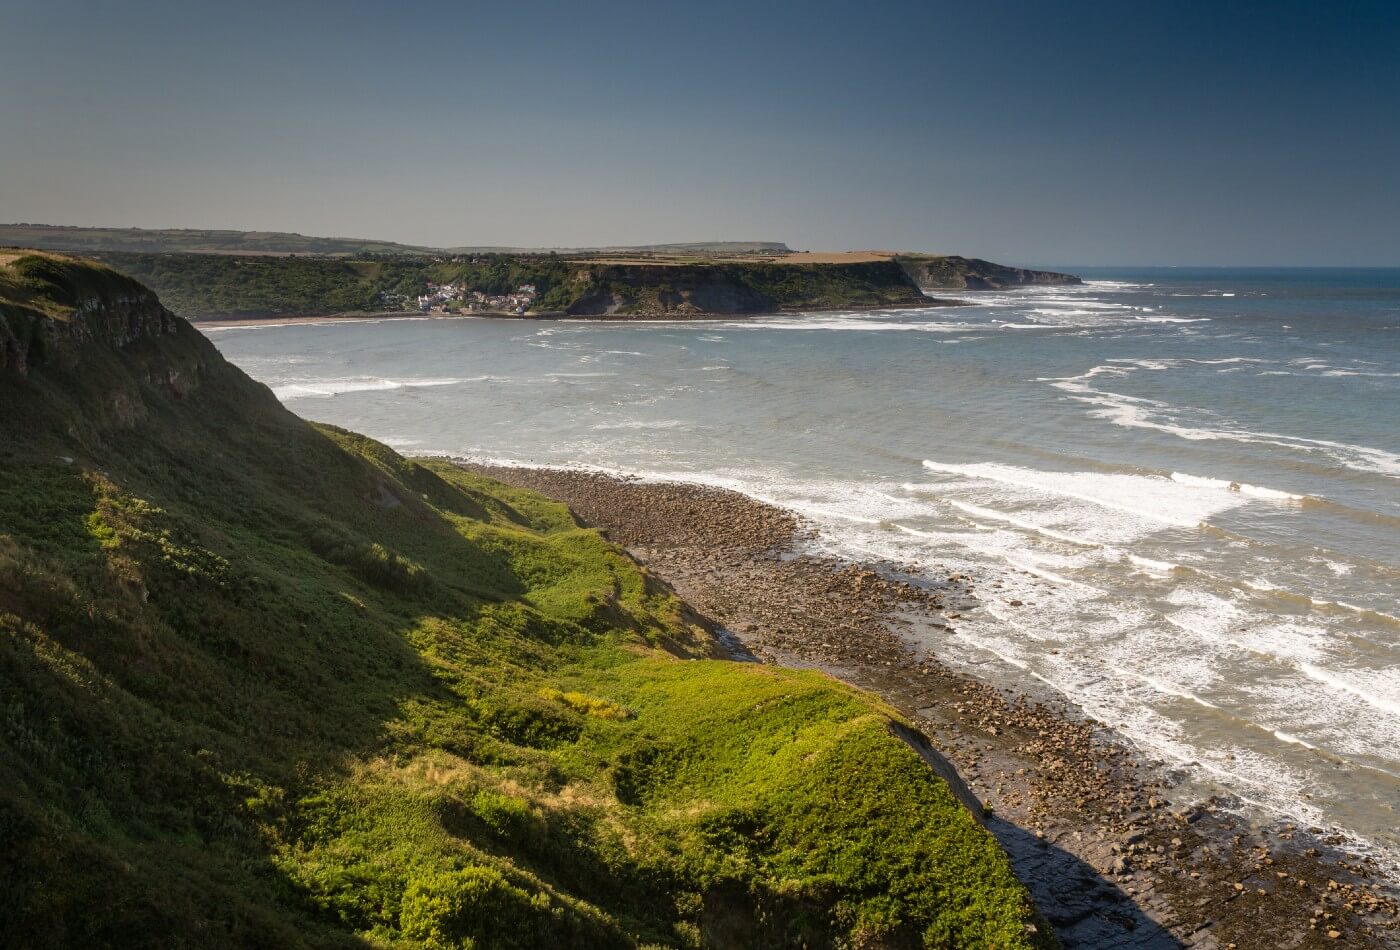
(207, 241)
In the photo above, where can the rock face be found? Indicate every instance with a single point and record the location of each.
(50, 308)
(101, 341)
(971, 273)
(648, 289)
(640, 290)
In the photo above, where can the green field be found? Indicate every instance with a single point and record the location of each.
(211, 241)
(267, 683)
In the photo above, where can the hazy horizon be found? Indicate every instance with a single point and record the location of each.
(1086, 135)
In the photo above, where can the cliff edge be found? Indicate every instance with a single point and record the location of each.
(747, 288)
(948, 272)
(51, 306)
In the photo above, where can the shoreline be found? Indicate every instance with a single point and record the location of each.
(1083, 816)
(234, 323)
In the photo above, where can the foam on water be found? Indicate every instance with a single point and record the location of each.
(1385, 698)
(642, 424)
(855, 321)
(335, 387)
(1144, 413)
(1147, 564)
(1147, 497)
(1163, 687)
(980, 512)
(1282, 736)
(1241, 487)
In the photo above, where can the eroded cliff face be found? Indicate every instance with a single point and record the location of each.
(115, 350)
(31, 339)
(622, 290)
(971, 273)
(51, 307)
(649, 289)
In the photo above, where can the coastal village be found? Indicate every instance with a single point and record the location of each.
(458, 298)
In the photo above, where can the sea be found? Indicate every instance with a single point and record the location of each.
(1176, 491)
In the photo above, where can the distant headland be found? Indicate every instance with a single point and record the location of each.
(241, 275)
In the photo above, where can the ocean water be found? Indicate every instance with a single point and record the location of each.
(1190, 479)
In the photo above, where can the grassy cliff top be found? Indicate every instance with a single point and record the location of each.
(268, 683)
(221, 241)
(52, 285)
(675, 257)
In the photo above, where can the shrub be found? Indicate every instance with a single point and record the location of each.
(371, 562)
(471, 907)
(508, 817)
(588, 705)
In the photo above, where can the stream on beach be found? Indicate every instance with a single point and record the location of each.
(1176, 491)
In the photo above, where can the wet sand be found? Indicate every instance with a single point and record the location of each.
(1109, 860)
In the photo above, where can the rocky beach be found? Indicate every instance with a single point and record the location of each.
(1088, 821)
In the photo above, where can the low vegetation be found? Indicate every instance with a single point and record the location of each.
(202, 286)
(266, 683)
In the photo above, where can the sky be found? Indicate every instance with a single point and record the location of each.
(1072, 133)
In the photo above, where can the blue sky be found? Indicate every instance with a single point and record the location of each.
(1071, 133)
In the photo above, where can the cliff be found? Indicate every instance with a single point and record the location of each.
(104, 338)
(50, 307)
(208, 286)
(970, 273)
(647, 289)
(267, 683)
(212, 286)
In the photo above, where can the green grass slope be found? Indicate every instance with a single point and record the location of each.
(266, 683)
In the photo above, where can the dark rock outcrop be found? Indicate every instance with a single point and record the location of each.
(52, 307)
(622, 290)
(93, 352)
(647, 289)
(971, 273)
